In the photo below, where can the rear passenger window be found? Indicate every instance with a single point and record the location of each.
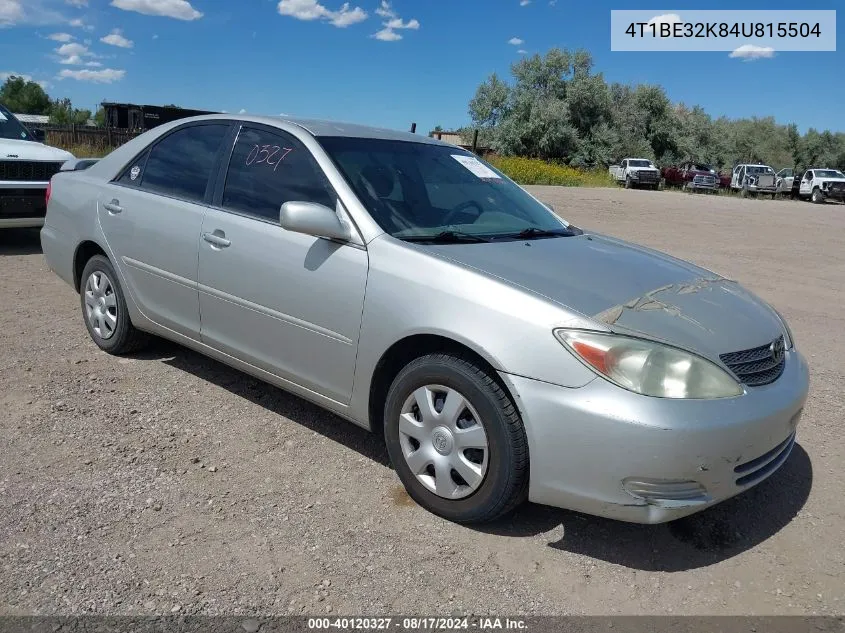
(180, 165)
(268, 169)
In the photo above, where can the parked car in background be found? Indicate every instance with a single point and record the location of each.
(784, 180)
(692, 176)
(26, 166)
(819, 185)
(387, 277)
(754, 179)
(636, 172)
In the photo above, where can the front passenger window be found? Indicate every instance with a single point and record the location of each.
(268, 169)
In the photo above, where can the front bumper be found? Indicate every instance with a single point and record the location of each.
(692, 184)
(834, 194)
(22, 204)
(588, 444)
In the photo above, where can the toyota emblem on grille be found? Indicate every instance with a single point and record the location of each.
(777, 349)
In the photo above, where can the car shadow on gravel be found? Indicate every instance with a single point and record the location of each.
(716, 534)
(20, 241)
(271, 398)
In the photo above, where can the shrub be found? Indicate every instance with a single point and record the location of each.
(533, 171)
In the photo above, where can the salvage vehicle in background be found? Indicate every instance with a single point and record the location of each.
(692, 176)
(784, 180)
(26, 166)
(819, 185)
(754, 179)
(413, 289)
(636, 172)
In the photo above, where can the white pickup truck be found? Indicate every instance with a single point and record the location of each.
(636, 172)
(753, 179)
(26, 166)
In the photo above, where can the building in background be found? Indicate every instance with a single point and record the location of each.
(455, 138)
(130, 116)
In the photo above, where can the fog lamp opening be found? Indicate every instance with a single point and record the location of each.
(666, 492)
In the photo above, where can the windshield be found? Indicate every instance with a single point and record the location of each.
(760, 170)
(639, 163)
(417, 190)
(828, 173)
(10, 128)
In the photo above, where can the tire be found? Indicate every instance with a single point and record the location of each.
(817, 196)
(628, 183)
(423, 447)
(108, 324)
(743, 193)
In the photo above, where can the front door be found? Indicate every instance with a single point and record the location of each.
(152, 216)
(285, 302)
(806, 187)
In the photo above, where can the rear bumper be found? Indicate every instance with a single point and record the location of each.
(602, 450)
(58, 252)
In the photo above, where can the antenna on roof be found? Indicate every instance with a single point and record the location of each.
(413, 128)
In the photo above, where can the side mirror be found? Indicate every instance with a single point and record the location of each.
(38, 134)
(313, 219)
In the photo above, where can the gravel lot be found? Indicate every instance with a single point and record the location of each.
(167, 482)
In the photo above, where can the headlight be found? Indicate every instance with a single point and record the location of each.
(649, 368)
(635, 174)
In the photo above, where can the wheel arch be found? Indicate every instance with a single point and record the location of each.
(84, 252)
(405, 350)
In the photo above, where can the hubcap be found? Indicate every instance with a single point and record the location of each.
(100, 304)
(443, 441)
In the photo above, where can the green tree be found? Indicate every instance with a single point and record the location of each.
(24, 97)
(62, 112)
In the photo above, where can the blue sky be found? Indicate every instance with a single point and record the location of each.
(379, 63)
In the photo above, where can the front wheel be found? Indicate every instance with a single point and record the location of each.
(104, 309)
(456, 439)
(628, 183)
(818, 196)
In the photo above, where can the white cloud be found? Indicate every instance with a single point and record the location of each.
(115, 38)
(79, 24)
(524, 3)
(60, 37)
(750, 52)
(11, 11)
(665, 18)
(392, 23)
(72, 54)
(77, 3)
(105, 76)
(522, 51)
(155, 37)
(178, 9)
(312, 10)
(72, 60)
(242, 111)
(93, 64)
(4, 75)
(515, 41)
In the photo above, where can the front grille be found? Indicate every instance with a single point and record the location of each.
(28, 170)
(756, 366)
(704, 180)
(760, 467)
(648, 176)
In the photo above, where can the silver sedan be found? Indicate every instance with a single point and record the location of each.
(410, 287)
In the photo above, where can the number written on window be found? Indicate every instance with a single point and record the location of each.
(271, 155)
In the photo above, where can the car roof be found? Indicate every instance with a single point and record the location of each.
(321, 128)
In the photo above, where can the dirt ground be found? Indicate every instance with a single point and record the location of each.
(169, 483)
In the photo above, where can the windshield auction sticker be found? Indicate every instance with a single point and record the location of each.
(744, 33)
(476, 166)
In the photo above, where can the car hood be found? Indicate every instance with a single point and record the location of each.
(14, 149)
(831, 179)
(628, 289)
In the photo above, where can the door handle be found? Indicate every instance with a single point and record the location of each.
(113, 207)
(218, 239)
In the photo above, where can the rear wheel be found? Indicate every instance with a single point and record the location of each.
(104, 309)
(455, 439)
(817, 196)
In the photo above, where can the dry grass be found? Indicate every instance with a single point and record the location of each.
(87, 151)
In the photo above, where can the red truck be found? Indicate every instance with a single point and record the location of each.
(694, 177)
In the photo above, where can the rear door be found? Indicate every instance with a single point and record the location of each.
(151, 216)
(288, 303)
